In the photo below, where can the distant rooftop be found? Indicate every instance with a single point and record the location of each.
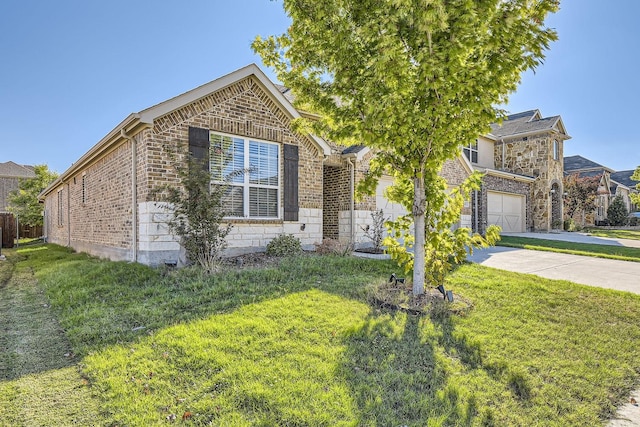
(13, 170)
(579, 163)
(624, 178)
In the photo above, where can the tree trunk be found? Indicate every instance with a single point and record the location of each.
(419, 202)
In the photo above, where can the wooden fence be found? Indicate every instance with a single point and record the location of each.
(8, 225)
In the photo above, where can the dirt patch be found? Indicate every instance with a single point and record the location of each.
(399, 296)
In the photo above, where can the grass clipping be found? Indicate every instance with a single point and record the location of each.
(398, 295)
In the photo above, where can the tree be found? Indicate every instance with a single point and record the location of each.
(197, 208)
(635, 197)
(413, 80)
(24, 203)
(580, 195)
(617, 212)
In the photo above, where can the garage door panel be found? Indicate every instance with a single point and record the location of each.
(506, 211)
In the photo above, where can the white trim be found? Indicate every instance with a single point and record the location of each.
(503, 174)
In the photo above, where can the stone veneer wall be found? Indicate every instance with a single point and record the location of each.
(533, 156)
(494, 183)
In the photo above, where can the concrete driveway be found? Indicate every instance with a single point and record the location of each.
(604, 273)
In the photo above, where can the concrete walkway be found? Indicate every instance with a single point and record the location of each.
(605, 273)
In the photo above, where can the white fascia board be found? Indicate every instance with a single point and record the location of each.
(503, 174)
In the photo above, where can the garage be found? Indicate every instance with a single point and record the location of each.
(506, 210)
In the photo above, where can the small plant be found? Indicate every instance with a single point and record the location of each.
(375, 232)
(284, 245)
(333, 247)
(556, 224)
(570, 225)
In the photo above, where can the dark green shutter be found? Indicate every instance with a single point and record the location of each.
(199, 145)
(290, 182)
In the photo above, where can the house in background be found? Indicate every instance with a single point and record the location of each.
(611, 184)
(104, 204)
(10, 175)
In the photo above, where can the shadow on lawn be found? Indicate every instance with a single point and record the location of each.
(400, 376)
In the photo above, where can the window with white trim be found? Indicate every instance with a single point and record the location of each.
(471, 151)
(254, 194)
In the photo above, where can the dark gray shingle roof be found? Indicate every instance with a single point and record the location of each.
(574, 163)
(524, 122)
(624, 178)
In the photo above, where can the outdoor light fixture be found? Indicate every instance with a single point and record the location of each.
(395, 280)
(442, 291)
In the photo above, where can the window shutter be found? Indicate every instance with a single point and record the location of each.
(290, 182)
(199, 145)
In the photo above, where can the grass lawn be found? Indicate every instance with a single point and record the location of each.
(622, 253)
(300, 343)
(618, 234)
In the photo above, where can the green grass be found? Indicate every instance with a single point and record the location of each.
(617, 234)
(300, 344)
(622, 253)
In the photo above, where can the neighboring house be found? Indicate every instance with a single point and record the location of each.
(10, 175)
(623, 179)
(611, 184)
(104, 204)
(522, 187)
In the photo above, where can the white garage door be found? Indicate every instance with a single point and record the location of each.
(506, 210)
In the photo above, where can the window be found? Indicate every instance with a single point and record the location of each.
(556, 150)
(84, 189)
(254, 194)
(471, 151)
(60, 208)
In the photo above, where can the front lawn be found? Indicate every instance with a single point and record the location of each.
(300, 343)
(622, 253)
(616, 234)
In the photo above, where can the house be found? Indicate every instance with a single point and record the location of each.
(10, 175)
(623, 180)
(611, 184)
(104, 204)
(523, 162)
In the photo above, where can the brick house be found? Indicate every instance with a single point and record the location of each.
(104, 204)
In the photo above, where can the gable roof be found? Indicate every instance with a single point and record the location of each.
(624, 178)
(136, 122)
(13, 170)
(528, 122)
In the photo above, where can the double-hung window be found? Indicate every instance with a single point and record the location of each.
(251, 169)
(471, 151)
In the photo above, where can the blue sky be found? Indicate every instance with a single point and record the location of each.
(73, 69)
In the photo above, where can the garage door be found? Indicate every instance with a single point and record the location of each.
(506, 210)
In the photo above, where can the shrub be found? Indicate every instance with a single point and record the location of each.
(633, 221)
(570, 225)
(617, 212)
(284, 245)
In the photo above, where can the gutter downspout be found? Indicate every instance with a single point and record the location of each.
(352, 206)
(503, 152)
(134, 195)
(68, 214)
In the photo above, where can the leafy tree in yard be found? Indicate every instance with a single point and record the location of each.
(580, 195)
(23, 202)
(197, 208)
(413, 80)
(617, 213)
(635, 197)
